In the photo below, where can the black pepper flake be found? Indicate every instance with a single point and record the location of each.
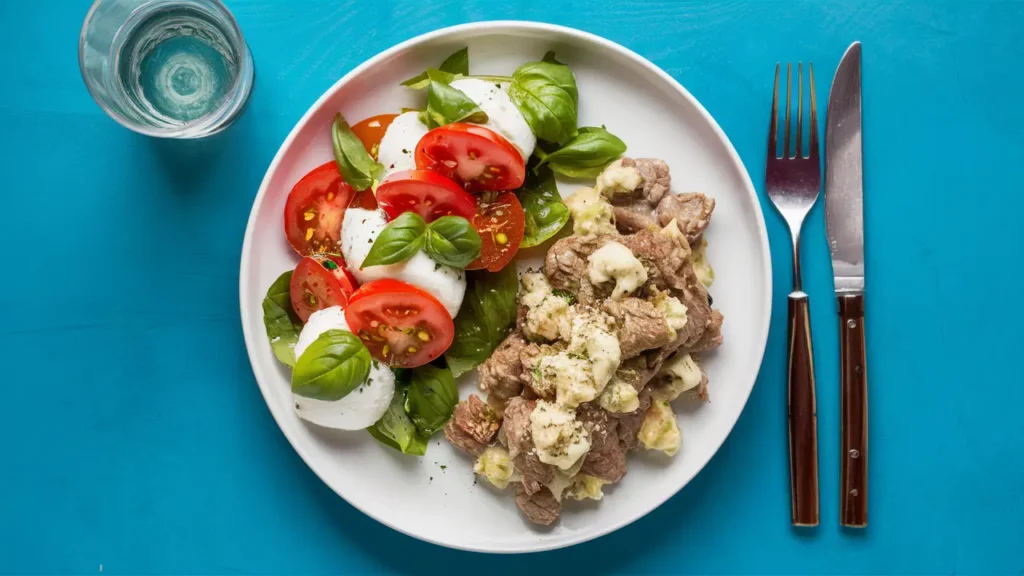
(296, 406)
(405, 150)
(710, 300)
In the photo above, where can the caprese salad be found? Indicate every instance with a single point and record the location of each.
(405, 241)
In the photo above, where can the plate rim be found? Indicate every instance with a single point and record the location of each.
(513, 27)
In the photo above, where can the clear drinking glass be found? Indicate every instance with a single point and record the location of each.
(167, 68)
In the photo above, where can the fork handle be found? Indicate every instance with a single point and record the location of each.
(803, 416)
(854, 410)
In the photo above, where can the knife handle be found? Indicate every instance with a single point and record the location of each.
(803, 415)
(854, 409)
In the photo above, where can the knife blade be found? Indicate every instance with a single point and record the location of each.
(844, 221)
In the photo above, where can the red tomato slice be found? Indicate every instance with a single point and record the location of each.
(501, 222)
(335, 264)
(314, 211)
(314, 287)
(371, 131)
(426, 193)
(401, 325)
(473, 155)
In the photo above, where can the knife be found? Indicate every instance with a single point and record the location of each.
(844, 218)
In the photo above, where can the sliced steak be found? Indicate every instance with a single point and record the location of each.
(540, 507)
(607, 457)
(712, 336)
(515, 427)
(690, 210)
(640, 325)
(566, 264)
(665, 259)
(473, 425)
(630, 219)
(629, 424)
(656, 182)
(534, 473)
(501, 374)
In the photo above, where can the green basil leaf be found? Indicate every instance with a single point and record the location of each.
(487, 315)
(431, 398)
(400, 240)
(335, 364)
(446, 105)
(546, 95)
(456, 64)
(283, 325)
(356, 165)
(543, 207)
(395, 429)
(549, 56)
(452, 240)
(586, 155)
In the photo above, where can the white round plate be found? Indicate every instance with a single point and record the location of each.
(435, 498)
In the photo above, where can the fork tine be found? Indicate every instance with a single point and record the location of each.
(789, 85)
(813, 139)
(799, 107)
(773, 126)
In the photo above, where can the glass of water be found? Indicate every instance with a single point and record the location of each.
(167, 68)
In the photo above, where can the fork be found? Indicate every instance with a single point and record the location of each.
(793, 183)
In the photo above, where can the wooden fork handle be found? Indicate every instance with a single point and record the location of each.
(854, 410)
(803, 416)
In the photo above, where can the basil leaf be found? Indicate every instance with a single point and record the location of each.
(356, 165)
(395, 429)
(546, 95)
(335, 364)
(543, 207)
(283, 326)
(446, 105)
(456, 64)
(586, 155)
(452, 240)
(400, 240)
(487, 315)
(431, 398)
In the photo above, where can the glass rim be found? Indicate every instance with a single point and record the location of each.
(188, 130)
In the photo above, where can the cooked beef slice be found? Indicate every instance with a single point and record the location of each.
(630, 219)
(534, 473)
(712, 336)
(665, 259)
(566, 265)
(656, 183)
(640, 325)
(690, 210)
(540, 507)
(473, 425)
(635, 372)
(607, 457)
(515, 426)
(501, 374)
(629, 424)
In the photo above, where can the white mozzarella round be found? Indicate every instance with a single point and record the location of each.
(397, 147)
(502, 115)
(361, 407)
(358, 232)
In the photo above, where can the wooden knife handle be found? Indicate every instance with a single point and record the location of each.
(803, 415)
(854, 420)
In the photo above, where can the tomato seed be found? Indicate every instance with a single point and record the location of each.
(422, 335)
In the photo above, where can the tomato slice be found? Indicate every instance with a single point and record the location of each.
(501, 222)
(426, 193)
(335, 264)
(401, 325)
(473, 155)
(315, 209)
(371, 131)
(315, 287)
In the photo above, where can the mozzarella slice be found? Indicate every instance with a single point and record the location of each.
(358, 232)
(502, 115)
(397, 147)
(361, 407)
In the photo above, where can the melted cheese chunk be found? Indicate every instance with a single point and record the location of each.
(618, 179)
(679, 374)
(619, 396)
(613, 261)
(673, 310)
(548, 315)
(591, 213)
(561, 440)
(495, 465)
(701, 267)
(660, 431)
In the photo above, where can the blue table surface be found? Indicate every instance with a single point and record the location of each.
(133, 437)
